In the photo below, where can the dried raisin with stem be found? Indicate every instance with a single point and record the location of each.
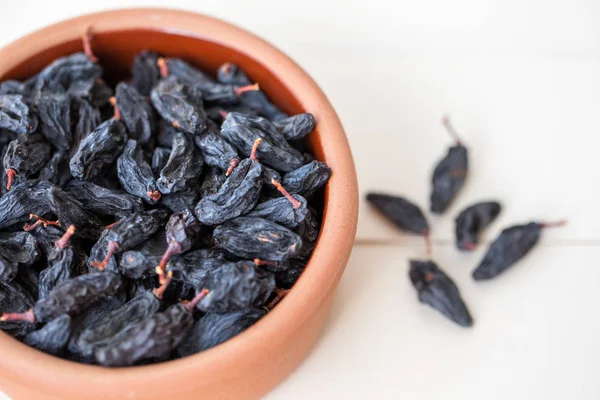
(152, 338)
(160, 156)
(25, 156)
(88, 118)
(135, 173)
(215, 328)
(437, 290)
(179, 104)
(255, 100)
(252, 237)
(70, 297)
(289, 210)
(144, 72)
(54, 113)
(65, 261)
(217, 151)
(510, 246)
(103, 201)
(274, 151)
(128, 233)
(297, 126)
(135, 112)
(101, 332)
(237, 196)
(449, 174)
(183, 167)
(141, 262)
(236, 286)
(71, 212)
(181, 230)
(403, 213)
(98, 150)
(19, 247)
(307, 179)
(69, 71)
(27, 198)
(193, 267)
(52, 338)
(212, 92)
(472, 221)
(16, 115)
(14, 297)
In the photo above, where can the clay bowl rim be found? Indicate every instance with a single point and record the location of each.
(329, 258)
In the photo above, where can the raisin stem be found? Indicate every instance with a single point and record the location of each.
(160, 291)
(111, 225)
(11, 173)
(279, 294)
(64, 240)
(40, 221)
(87, 44)
(112, 249)
(194, 302)
(295, 203)
(427, 242)
(258, 261)
(163, 67)
(27, 316)
(232, 164)
(173, 249)
(113, 102)
(223, 114)
(254, 149)
(248, 88)
(553, 224)
(226, 68)
(154, 196)
(451, 130)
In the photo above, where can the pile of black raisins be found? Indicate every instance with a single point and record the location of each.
(434, 287)
(152, 220)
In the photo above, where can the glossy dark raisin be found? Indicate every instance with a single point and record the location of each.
(437, 290)
(16, 115)
(183, 167)
(98, 150)
(274, 150)
(179, 104)
(472, 221)
(144, 72)
(237, 196)
(135, 112)
(510, 246)
(54, 112)
(307, 179)
(215, 328)
(135, 173)
(252, 237)
(237, 286)
(103, 201)
(449, 174)
(53, 337)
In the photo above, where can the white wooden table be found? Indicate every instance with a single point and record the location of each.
(521, 80)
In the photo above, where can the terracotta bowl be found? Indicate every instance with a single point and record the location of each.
(252, 363)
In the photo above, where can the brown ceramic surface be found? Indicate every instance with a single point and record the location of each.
(252, 363)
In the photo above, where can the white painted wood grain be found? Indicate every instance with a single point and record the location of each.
(535, 334)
